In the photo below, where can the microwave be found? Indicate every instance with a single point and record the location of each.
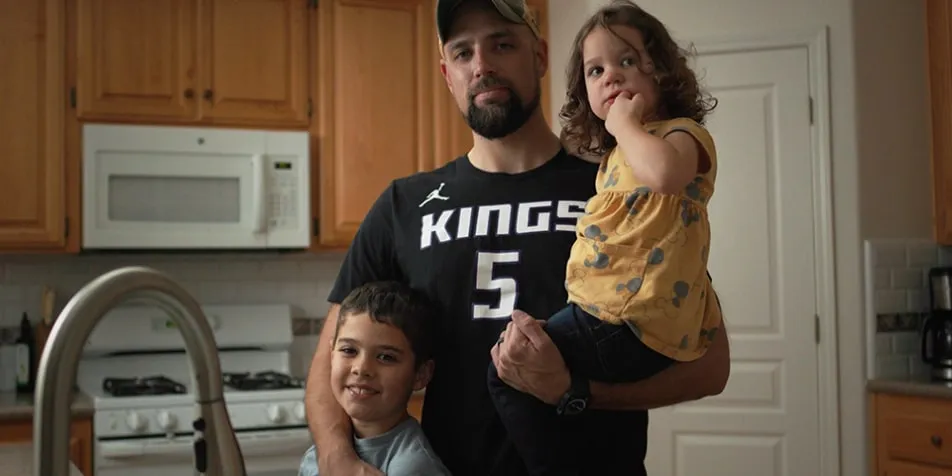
(166, 187)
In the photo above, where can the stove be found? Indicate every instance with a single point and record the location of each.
(135, 369)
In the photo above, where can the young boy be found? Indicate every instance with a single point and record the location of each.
(382, 353)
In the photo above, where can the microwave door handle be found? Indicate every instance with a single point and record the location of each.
(260, 197)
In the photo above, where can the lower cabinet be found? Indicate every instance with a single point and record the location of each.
(911, 435)
(80, 439)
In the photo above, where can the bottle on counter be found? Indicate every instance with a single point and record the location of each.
(25, 350)
(8, 361)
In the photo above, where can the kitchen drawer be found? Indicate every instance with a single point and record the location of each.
(899, 468)
(914, 430)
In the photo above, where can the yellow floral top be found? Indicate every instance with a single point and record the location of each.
(641, 257)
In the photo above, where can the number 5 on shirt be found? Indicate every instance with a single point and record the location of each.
(486, 281)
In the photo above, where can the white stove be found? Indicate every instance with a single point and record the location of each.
(135, 369)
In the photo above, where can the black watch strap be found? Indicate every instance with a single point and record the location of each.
(575, 400)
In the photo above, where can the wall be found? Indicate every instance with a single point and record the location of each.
(897, 299)
(893, 119)
(301, 280)
(880, 154)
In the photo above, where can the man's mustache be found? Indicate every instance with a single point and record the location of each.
(487, 84)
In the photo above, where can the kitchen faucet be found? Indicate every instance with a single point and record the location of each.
(216, 451)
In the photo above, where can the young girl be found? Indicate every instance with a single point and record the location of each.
(640, 298)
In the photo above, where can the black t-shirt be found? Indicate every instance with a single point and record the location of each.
(480, 244)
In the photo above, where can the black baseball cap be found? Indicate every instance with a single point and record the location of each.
(516, 11)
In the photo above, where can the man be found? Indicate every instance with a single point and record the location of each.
(485, 236)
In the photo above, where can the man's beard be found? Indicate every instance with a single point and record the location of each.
(498, 120)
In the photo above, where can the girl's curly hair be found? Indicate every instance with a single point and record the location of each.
(680, 95)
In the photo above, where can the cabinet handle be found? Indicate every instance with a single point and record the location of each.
(189, 94)
(208, 94)
(937, 441)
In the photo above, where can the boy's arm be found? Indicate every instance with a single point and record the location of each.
(682, 382)
(330, 427)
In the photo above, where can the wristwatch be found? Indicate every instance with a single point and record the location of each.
(575, 399)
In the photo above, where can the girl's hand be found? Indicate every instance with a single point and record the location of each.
(624, 111)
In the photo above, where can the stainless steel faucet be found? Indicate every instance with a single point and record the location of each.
(216, 451)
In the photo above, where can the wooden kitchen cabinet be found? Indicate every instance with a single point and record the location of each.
(415, 406)
(912, 435)
(80, 439)
(32, 181)
(213, 62)
(939, 59)
(362, 76)
(372, 130)
(375, 84)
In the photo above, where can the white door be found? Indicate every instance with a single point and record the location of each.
(766, 422)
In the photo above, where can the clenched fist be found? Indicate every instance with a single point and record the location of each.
(625, 110)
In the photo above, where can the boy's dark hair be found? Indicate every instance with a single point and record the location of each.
(399, 305)
(680, 95)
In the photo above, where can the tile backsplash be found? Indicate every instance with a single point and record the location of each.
(897, 298)
(298, 279)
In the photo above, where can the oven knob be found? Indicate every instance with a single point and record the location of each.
(135, 422)
(275, 413)
(166, 421)
(299, 411)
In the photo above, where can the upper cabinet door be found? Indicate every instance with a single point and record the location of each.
(254, 61)
(375, 104)
(136, 59)
(215, 62)
(32, 203)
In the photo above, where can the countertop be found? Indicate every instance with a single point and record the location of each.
(18, 460)
(914, 387)
(14, 406)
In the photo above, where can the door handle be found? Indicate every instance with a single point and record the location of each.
(259, 193)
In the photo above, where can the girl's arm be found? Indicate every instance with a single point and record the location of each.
(666, 165)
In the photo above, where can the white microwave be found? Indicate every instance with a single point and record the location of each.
(164, 187)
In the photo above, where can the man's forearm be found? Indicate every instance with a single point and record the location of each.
(682, 382)
(330, 428)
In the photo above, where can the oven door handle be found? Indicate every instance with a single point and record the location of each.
(252, 444)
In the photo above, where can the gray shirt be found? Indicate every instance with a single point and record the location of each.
(402, 451)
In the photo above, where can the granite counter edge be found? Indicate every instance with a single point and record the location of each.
(20, 407)
(909, 388)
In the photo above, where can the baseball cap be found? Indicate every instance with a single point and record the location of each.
(516, 11)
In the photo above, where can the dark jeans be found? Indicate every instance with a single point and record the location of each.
(594, 442)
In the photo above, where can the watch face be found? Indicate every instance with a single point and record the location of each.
(575, 406)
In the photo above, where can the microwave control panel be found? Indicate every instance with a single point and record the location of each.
(283, 195)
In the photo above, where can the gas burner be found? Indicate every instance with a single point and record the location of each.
(267, 380)
(127, 387)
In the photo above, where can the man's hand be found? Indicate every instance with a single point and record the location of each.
(528, 360)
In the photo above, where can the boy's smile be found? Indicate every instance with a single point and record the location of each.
(373, 372)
